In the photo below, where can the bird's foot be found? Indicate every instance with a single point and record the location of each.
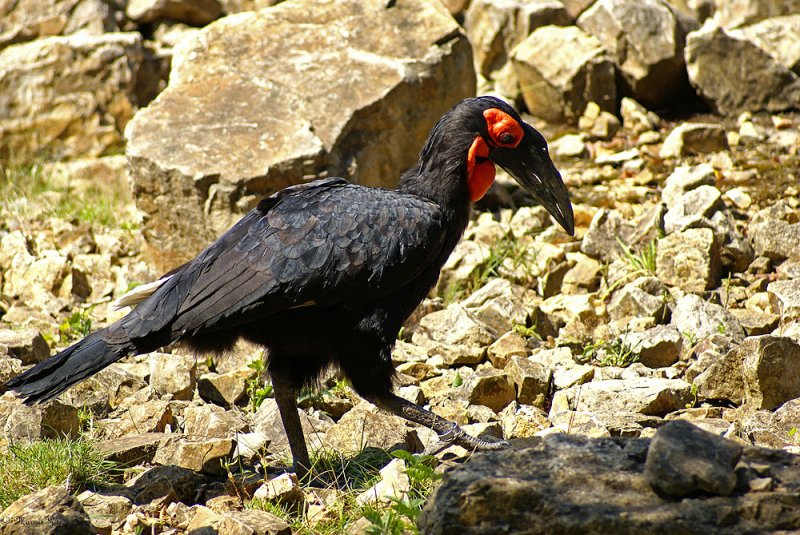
(456, 435)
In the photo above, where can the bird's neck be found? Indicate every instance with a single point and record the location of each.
(443, 184)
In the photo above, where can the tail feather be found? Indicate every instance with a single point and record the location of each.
(79, 361)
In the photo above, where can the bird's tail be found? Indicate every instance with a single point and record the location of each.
(79, 361)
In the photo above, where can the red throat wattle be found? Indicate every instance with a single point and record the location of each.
(480, 169)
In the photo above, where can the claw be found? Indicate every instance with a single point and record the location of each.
(456, 435)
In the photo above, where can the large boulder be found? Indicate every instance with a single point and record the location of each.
(561, 70)
(71, 96)
(684, 481)
(646, 39)
(734, 74)
(736, 13)
(262, 100)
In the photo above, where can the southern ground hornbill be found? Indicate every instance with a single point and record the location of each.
(323, 274)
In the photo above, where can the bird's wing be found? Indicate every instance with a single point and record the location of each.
(327, 242)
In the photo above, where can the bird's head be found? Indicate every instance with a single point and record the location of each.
(485, 131)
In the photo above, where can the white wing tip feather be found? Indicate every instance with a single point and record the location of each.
(138, 294)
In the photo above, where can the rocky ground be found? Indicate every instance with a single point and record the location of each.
(677, 300)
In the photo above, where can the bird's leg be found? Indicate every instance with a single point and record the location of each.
(286, 398)
(449, 432)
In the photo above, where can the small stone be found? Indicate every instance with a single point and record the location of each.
(365, 425)
(504, 348)
(194, 12)
(569, 146)
(27, 345)
(686, 178)
(702, 201)
(203, 520)
(694, 138)
(531, 379)
(522, 421)
(281, 489)
(683, 460)
(644, 298)
(785, 298)
(132, 450)
(26, 424)
(173, 374)
(636, 117)
(106, 511)
(226, 388)
(771, 370)
(689, 260)
(393, 485)
(212, 421)
(755, 323)
(49, 511)
(645, 395)
(490, 387)
(198, 454)
(739, 198)
(697, 318)
(253, 522)
(658, 347)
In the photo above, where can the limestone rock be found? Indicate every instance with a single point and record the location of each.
(454, 326)
(603, 491)
(658, 347)
(173, 374)
(737, 13)
(606, 230)
(30, 424)
(281, 489)
(636, 117)
(132, 450)
(178, 483)
(213, 422)
(694, 138)
(26, 20)
(27, 345)
(198, 454)
(689, 260)
(195, 12)
(393, 485)
(225, 388)
(489, 387)
(684, 179)
(267, 428)
(683, 460)
(721, 377)
(703, 201)
(287, 118)
(506, 347)
(779, 37)
(643, 298)
(773, 429)
(647, 40)
(734, 75)
(646, 395)
(102, 80)
(495, 28)
(106, 511)
(364, 425)
(775, 234)
(50, 511)
(785, 298)
(253, 521)
(561, 70)
(700, 318)
(531, 380)
(771, 370)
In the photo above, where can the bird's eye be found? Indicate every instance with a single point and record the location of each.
(506, 138)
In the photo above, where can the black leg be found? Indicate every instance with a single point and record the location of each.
(449, 432)
(286, 398)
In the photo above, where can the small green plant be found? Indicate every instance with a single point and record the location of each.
(693, 403)
(457, 380)
(645, 260)
(257, 391)
(76, 326)
(691, 337)
(615, 352)
(722, 328)
(31, 467)
(526, 332)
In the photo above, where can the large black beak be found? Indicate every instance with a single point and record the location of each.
(531, 166)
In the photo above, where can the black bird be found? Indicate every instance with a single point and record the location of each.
(323, 274)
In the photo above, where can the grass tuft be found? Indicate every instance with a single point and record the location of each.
(31, 467)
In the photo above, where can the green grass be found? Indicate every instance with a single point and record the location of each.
(506, 251)
(28, 192)
(31, 467)
(643, 261)
(610, 353)
(76, 326)
(257, 391)
(352, 475)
